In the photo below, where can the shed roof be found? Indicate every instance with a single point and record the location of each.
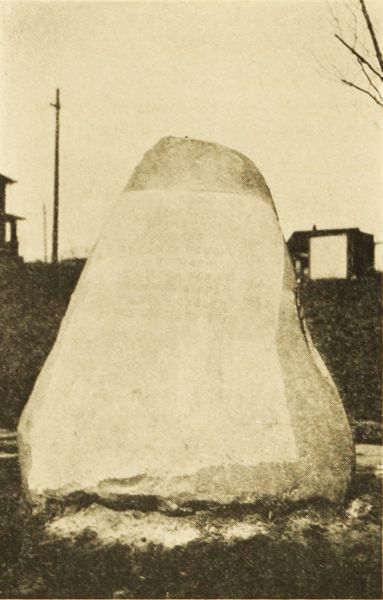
(323, 232)
(7, 179)
(9, 217)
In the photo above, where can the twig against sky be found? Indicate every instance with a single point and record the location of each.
(349, 83)
(372, 34)
(359, 57)
(369, 69)
(372, 84)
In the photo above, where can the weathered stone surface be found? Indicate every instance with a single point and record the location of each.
(181, 369)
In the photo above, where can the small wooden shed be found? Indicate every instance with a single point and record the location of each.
(332, 253)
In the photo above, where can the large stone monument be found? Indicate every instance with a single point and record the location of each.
(182, 369)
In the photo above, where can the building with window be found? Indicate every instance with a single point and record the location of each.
(332, 253)
(9, 243)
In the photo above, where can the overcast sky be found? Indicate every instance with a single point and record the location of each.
(255, 76)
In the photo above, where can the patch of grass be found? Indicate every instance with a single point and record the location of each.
(367, 432)
(345, 321)
(314, 550)
(33, 300)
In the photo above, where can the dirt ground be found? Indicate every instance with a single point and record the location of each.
(311, 550)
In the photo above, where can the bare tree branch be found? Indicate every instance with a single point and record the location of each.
(337, 72)
(372, 34)
(359, 56)
(372, 84)
(355, 31)
(363, 49)
(349, 83)
(369, 57)
(334, 17)
(358, 41)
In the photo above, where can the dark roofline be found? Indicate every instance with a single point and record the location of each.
(9, 217)
(7, 179)
(342, 230)
(323, 232)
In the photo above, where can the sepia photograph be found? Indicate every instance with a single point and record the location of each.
(191, 269)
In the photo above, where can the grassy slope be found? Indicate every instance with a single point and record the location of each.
(345, 320)
(33, 300)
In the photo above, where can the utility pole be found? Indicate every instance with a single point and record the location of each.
(45, 233)
(55, 233)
